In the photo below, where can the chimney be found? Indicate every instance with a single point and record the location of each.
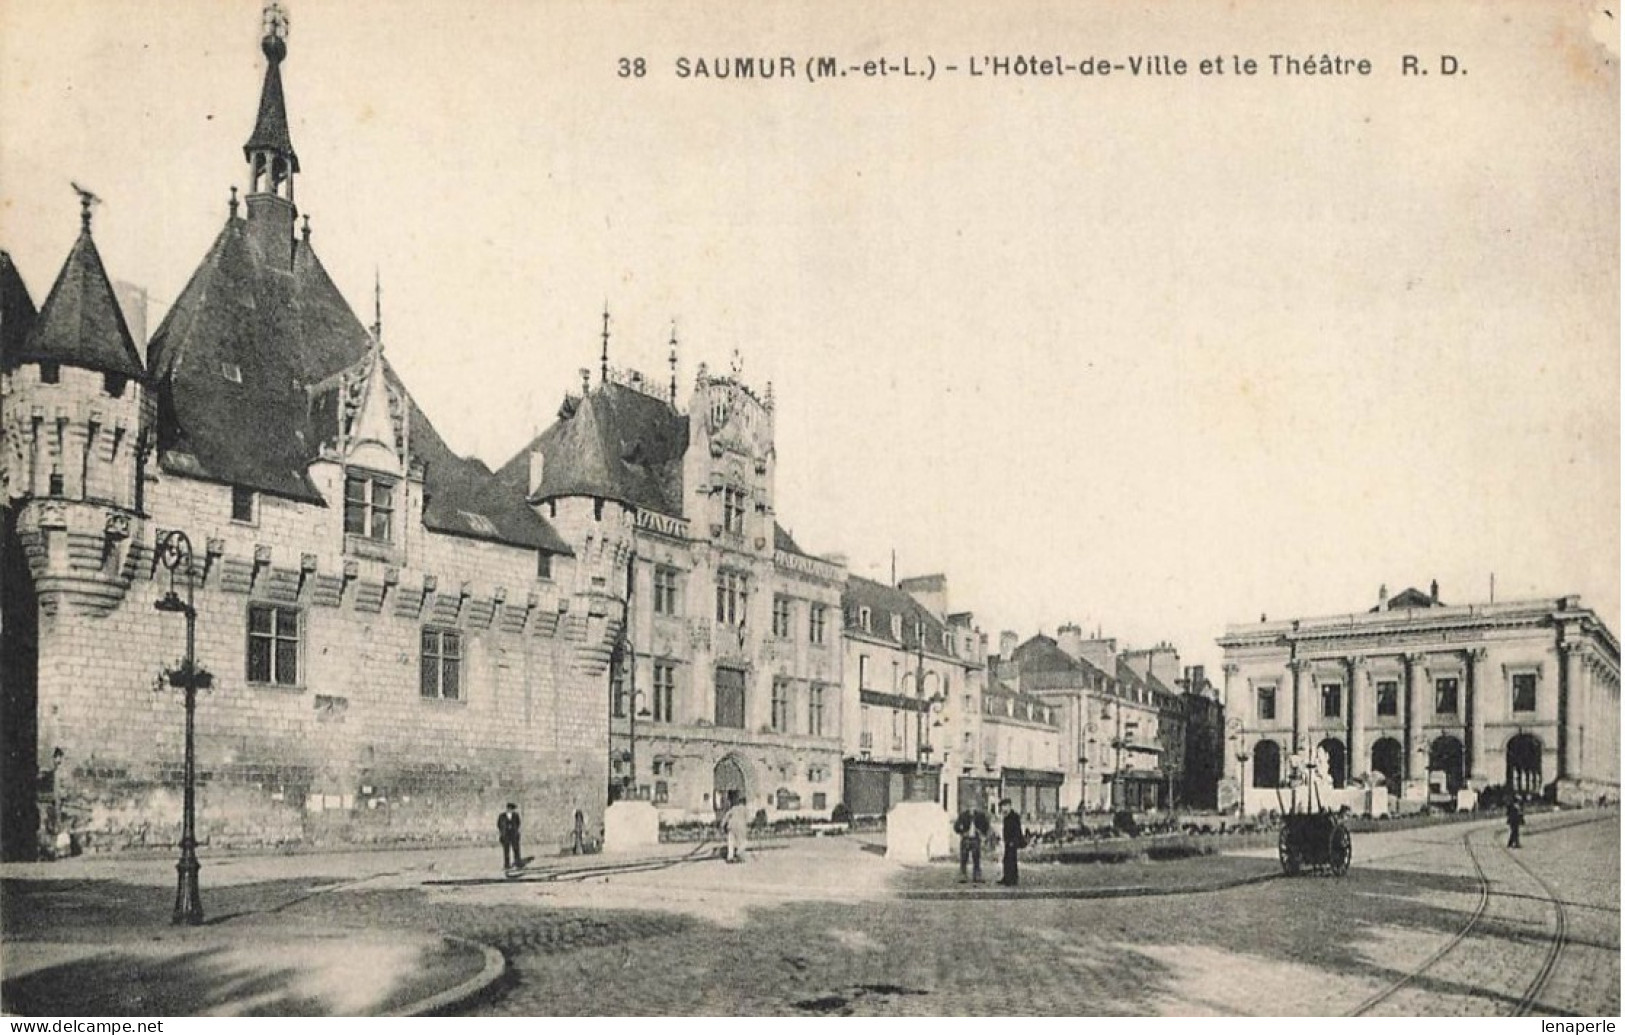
(1382, 597)
(1007, 645)
(1165, 664)
(1070, 639)
(537, 462)
(1101, 652)
(930, 592)
(1433, 591)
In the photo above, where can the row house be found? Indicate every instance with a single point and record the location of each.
(1427, 698)
(1121, 716)
(1021, 753)
(914, 681)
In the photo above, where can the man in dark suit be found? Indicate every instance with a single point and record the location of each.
(973, 828)
(508, 834)
(1013, 840)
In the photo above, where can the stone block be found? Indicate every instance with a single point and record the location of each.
(630, 826)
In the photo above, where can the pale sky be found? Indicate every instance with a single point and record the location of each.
(1156, 355)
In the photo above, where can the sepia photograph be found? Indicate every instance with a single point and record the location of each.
(601, 508)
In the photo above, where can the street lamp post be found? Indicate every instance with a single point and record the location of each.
(1241, 757)
(173, 551)
(922, 745)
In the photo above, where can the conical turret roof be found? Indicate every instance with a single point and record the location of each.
(17, 312)
(80, 323)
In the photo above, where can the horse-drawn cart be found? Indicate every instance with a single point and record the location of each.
(1314, 837)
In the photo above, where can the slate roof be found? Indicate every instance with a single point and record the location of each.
(17, 312)
(1044, 665)
(614, 443)
(271, 124)
(233, 361)
(80, 323)
(883, 602)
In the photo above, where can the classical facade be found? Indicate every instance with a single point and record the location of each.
(395, 643)
(728, 677)
(913, 690)
(1433, 697)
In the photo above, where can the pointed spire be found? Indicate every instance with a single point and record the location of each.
(81, 323)
(603, 358)
(672, 359)
(270, 149)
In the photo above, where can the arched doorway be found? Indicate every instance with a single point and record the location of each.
(1337, 761)
(1385, 757)
(1266, 764)
(1445, 756)
(1523, 765)
(727, 779)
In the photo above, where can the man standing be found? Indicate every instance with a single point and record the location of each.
(508, 834)
(735, 822)
(1013, 840)
(973, 827)
(1514, 822)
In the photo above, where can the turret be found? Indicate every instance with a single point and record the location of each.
(77, 423)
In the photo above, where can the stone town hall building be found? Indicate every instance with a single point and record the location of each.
(399, 643)
(728, 676)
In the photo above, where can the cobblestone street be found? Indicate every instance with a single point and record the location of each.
(817, 927)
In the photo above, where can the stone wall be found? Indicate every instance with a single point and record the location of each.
(352, 752)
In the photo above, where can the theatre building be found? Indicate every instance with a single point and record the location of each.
(1433, 697)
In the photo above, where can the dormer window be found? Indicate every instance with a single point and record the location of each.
(113, 385)
(369, 507)
(897, 627)
(864, 619)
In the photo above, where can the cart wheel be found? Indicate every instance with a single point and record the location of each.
(1342, 851)
(1290, 862)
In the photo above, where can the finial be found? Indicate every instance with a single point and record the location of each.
(377, 307)
(304, 230)
(603, 358)
(233, 205)
(673, 361)
(767, 396)
(737, 363)
(586, 381)
(274, 43)
(86, 199)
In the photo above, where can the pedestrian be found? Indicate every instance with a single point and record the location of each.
(578, 842)
(734, 823)
(1014, 839)
(973, 827)
(1514, 822)
(508, 834)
